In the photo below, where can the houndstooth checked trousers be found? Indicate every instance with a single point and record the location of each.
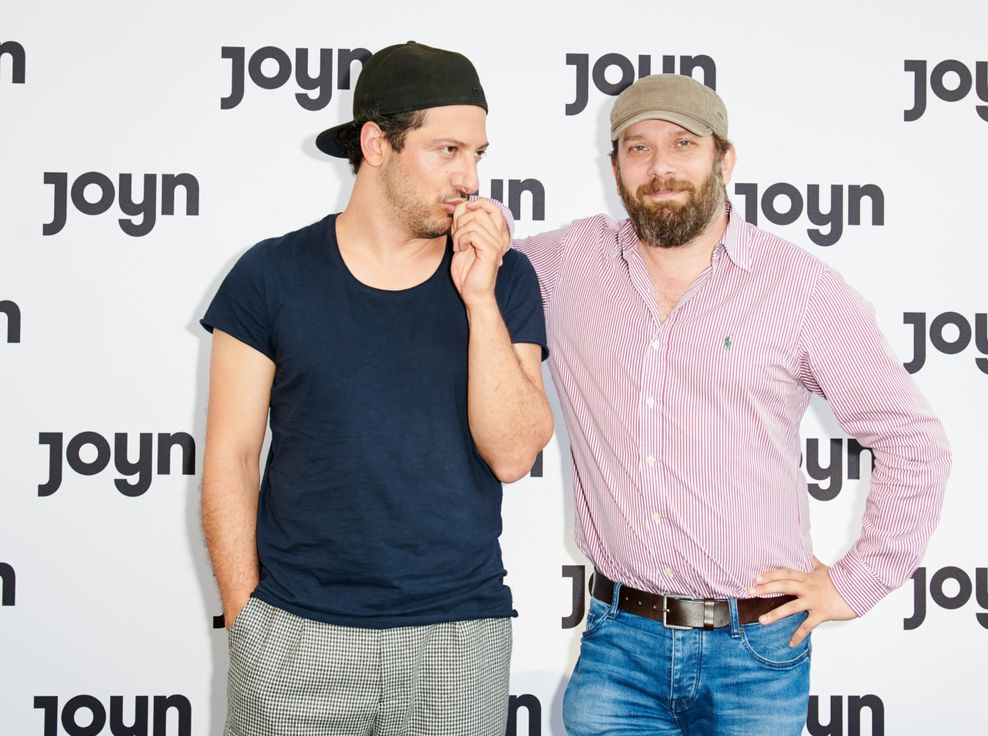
(292, 676)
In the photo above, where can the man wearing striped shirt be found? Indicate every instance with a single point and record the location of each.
(685, 346)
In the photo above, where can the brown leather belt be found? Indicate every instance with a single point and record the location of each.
(681, 612)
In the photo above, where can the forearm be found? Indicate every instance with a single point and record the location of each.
(904, 502)
(877, 402)
(510, 419)
(229, 517)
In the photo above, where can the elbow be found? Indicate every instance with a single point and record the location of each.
(508, 472)
(516, 465)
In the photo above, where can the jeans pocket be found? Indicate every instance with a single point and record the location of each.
(769, 645)
(597, 615)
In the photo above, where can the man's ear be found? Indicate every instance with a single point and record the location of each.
(374, 144)
(727, 164)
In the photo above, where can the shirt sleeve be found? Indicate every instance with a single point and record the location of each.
(521, 303)
(240, 307)
(846, 360)
(545, 252)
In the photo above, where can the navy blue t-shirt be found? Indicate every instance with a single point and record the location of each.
(375, 509)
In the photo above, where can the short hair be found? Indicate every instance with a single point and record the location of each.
(721, 146)
(395, 127)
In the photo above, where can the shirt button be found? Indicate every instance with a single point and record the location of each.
(656, 517)
(650, 402)
(655, 344)
(668, 571)
(650, 459)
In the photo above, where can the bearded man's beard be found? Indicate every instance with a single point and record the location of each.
(415, 214)
(669, 224)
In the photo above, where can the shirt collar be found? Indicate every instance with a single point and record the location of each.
(734, 241)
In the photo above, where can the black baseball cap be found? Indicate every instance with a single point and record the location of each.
(406, 77)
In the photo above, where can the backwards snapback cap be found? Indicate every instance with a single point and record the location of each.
(672, 97)
(406, 77)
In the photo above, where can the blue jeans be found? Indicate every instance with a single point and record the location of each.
(637, 677)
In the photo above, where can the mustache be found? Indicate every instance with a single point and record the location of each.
(665, 185)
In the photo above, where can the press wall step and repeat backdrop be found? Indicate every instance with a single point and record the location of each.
(145, 146)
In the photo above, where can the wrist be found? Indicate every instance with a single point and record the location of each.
(482, 308)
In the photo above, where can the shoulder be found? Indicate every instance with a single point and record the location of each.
(595, 227)
(546, 247)
(515, 261)
(777, 257)
(516, 272)
(294, 245)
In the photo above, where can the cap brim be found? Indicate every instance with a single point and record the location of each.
(329, 140)
(691, 124)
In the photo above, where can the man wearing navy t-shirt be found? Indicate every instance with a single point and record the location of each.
(399, 359)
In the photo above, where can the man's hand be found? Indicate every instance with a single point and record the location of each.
(480, 237)
(496, 211)
(233, 609)
(815, 593)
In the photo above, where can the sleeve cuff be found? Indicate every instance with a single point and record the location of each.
(857, 584)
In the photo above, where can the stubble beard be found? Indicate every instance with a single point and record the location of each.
(414, 214)
(668, 224)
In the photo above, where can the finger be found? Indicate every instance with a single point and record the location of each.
(777, 614)
(494, 211)
(462, 262)
(780, 573)
(469, 217)
(787, 587)
(484, 212)
(458, 213)
(477, 235)
(480, 237)
(803, 631)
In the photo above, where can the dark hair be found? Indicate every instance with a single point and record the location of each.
(395, 127)
(721, 146)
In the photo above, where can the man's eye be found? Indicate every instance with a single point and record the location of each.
(684, 143)
(448, 150)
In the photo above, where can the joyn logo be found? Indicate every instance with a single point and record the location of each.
(12, 312)
(18, 60)
(127, 484)
(942, 342)
(146, 208)
(950, 72)
(515, 188)
(578, 595)
(270, 68)
(138, 720)
(843, 453)
(599, 73)
(830, 223)
(533, 714)
(8, 585)
(856, 705)
(951, 602)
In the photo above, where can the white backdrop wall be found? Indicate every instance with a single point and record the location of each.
(144, 146)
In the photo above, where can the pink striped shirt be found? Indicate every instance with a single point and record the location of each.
(685, 434)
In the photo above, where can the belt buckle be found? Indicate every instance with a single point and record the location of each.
(665, 610)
